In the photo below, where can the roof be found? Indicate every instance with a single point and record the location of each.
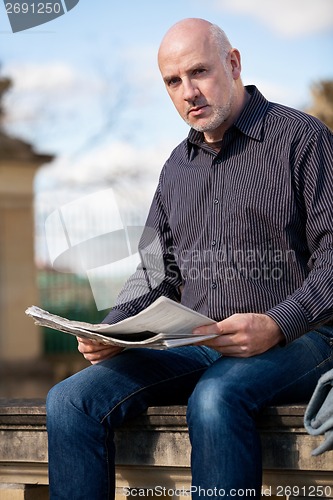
(16, 149)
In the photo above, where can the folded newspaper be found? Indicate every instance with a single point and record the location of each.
(163, 324)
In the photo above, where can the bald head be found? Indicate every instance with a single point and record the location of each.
(201, 72)
(187, 31)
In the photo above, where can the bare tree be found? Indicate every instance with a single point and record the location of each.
(322, 102)
(5, 84)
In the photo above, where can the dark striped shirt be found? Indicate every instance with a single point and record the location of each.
(246, 229)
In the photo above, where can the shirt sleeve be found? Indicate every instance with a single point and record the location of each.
(157, 273)
(312, 304)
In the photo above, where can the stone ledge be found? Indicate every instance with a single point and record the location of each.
(159, 438)
(154, 448)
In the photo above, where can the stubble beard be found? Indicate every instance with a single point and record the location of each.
(219, 116)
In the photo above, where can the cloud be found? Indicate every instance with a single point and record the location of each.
(45, 77)
(131, 172)
(116, 163)
(284, 94)
(61, 108)
(45, 102)
(288, 18)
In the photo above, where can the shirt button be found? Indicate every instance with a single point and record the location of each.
(216, 201)
(213, 243)
(214, 285)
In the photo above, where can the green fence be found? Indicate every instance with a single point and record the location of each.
(67, 295)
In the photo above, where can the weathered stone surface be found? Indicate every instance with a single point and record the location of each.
(16, 149)
(19, 337)
(154, 449)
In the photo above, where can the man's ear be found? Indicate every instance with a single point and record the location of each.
(235, 61)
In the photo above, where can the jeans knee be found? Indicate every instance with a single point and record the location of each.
(56, 402)
(66, 397)
(66, 411)
(215, 401)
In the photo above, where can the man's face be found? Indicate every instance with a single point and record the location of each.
(200, 84)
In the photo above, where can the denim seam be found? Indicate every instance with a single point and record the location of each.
(326, 360)
(149, 387)
(107, 463)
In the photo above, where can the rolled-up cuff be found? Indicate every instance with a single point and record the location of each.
(290, 318)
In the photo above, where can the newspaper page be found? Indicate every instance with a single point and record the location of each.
(165, 323)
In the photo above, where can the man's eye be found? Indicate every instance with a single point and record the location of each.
(173, 81)
(198, 71)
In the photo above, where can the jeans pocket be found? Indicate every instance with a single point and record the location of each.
(326, 333)
(321, 342)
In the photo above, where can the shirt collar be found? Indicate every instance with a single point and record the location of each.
(251, 120)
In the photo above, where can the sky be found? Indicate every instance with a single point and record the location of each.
(86, 86)
(87, 90)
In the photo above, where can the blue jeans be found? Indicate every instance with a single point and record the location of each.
(224, 395)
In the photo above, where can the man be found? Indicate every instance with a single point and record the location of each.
(245, 201)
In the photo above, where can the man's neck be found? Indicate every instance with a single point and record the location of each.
(216, 136)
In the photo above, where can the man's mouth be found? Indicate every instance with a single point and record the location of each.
(197, 110)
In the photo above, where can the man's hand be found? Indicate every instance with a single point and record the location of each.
(243, 335)
(95, 352)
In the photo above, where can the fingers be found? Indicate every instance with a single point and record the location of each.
(228, 345)
(89, 345)
(232, 324)
(243, 335)
(209, 329)
(94, 351)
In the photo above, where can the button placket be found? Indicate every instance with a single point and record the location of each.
(215, 220)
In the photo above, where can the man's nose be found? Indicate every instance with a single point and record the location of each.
(190, 91)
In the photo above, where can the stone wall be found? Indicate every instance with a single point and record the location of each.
(19, 337)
